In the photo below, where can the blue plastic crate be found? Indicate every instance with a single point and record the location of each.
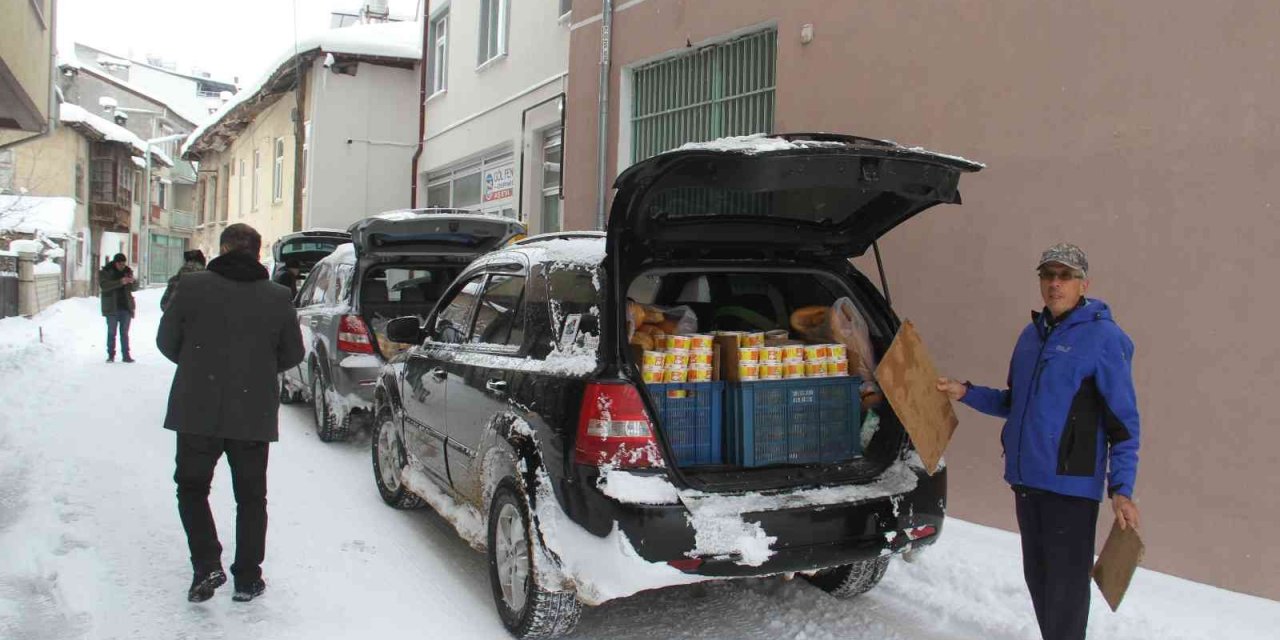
(798, 421)
(691, 417)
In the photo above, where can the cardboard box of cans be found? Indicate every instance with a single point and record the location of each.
(748, 357)
(740, 357)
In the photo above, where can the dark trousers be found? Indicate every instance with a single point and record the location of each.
(196, 459)
(1057, 555)
(118, 321)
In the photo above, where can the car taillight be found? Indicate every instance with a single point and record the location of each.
(614, 428)
(353, 335)
(915, 533)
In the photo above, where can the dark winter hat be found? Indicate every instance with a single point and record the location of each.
(120, 257)
(1066, 254)
(194, 255)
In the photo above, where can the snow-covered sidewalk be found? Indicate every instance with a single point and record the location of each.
(91, 546)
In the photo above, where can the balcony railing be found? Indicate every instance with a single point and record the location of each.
(182, 220)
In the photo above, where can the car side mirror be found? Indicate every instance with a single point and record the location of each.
(407, 330)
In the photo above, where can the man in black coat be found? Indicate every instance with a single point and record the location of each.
(231, 331)
(116, 285)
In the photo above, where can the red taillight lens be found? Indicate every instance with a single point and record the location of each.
(614, 428)
(915, 533)
(686, 565)
(353, 335)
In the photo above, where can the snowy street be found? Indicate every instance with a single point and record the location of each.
(91, 545)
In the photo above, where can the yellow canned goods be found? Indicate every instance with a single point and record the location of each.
(654, 376)
(771, 355)
(838, 367)
(771, 371)
(675, 359)
(837, 351)
(676, 375)
(701, 341)
(701, 358)
(792, 352)
(651, 360)
(815, 368)
(678, 343)
(748, 371)
(700, 373)
(793, 369)
(815, 352)
(753, 340)
(749, 354)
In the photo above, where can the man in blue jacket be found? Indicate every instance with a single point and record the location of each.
(1070, 433)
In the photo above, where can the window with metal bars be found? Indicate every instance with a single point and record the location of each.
(725, 89)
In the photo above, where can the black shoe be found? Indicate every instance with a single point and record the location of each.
(111, 357)
(204, 584)
(127, 359)
(247, 592)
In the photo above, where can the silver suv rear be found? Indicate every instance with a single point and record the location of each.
(397, 264)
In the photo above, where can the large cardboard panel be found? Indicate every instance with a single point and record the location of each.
(909, 380)
(1117, 563)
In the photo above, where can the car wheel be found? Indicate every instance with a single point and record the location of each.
(328, 427)
(849, 580)
(388, 463)
(527, 610)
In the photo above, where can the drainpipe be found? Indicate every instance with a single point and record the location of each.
(606, 44)
(422, 105)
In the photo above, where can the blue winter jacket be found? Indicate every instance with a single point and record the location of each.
(1070, 407)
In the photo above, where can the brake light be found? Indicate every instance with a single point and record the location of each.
(353, 335)
(686, 565)
(614, 428)
(915, 533)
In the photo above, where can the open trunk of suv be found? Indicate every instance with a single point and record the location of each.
(743, 237)
(760, 434)
(406, 260)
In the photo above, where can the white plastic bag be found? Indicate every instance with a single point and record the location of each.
(849, 327)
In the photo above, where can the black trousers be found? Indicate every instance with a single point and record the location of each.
(1057, 555)
(197, 456)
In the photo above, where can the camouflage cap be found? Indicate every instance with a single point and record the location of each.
(1067, 254)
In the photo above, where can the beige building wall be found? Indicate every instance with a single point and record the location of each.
(26, 60)
(1145, 133)
(46, 166)
(272, 217)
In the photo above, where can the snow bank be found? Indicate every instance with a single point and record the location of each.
(25, 246)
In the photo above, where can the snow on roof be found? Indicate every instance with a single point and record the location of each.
(71, 113)
(346, 252)
(25, 246)
(54, 216)
(384, 40)
(570, 250)
(190, 116)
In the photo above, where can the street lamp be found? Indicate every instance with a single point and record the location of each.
(145, 263)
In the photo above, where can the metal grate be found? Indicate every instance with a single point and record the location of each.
(719, 90)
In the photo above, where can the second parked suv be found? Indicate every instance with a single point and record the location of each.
(396, 264)
(524, 416)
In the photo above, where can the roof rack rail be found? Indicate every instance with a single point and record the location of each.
(559, 235)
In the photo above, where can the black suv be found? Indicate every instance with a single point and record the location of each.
(523, 416)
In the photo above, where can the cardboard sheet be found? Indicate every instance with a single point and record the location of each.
(1120, 557)
(909, 380)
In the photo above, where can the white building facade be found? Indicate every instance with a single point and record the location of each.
(496, 81)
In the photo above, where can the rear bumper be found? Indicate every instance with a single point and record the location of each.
(806, 538)
(356, 384)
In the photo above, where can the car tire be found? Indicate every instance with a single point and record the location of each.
(527, 610)
(388, 461)
(850, 580)
(328, 427)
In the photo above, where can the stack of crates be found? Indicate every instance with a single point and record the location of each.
(691, 416)
(794, 421)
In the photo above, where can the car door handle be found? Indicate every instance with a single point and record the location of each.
(496, 385)
(439, 374)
